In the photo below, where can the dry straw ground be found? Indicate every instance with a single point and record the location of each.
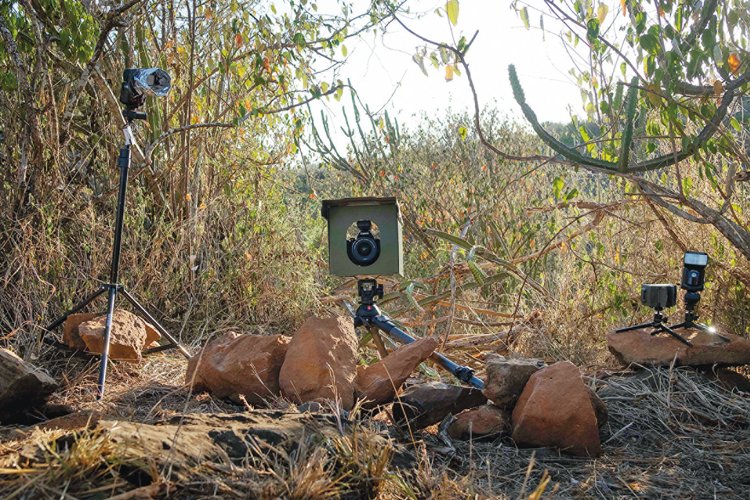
(671, 433)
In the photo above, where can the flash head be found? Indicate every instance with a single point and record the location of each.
(137, 83)
(696, 259)
(694, 271)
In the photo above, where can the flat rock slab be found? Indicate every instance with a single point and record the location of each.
(640, 347)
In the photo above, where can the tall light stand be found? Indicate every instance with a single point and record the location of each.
(123, 161)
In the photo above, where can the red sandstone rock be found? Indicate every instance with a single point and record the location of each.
(555, 410)
(379, 382)
(640, 347)
(127, 338)
(239, 365)
(482, 421)
(152, 335)
(321, 362)
(70, 336)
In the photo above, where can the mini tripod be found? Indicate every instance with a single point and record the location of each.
(658, 323)
(369, 315)
(113, 287)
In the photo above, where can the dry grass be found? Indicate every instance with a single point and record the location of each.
(671, 433)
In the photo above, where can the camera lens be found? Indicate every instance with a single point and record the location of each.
(364, 251)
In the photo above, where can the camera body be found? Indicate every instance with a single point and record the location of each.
(694, 271)
(139, 82)
(363, 250)
(659, 296)
(364, 236)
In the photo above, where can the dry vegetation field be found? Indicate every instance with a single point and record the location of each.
(527, 240)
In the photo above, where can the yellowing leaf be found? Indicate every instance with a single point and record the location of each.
(601, 12)
(448, 73)
(451, 8)
(525, 17)
(734, 62)
(188, 197)
(624, 7)
(653, 94)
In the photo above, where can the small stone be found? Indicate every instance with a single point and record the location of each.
(321, 362)
(152, 335)
(640, 347)
(71, 337)
(422, 405)
(127, 337)
(378, 383)
(482, 421)
(556, 410)
(506, 378)
(234, 365)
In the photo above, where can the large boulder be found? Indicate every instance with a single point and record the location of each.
(321, 362)
(556, 410)
(127, 338)
(234, 365)
(22, 387)
(422, 405)
(378, 383)
(640, 347)
(506, 378)
(481, 422)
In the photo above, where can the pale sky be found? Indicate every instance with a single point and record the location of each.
(380, 65)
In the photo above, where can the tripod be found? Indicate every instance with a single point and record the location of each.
(369, 315)
(658, 324)
(691, 302)
(113, 287)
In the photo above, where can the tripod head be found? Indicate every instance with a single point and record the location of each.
(369, 290)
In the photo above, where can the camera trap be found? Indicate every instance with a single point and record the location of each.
(364, 236)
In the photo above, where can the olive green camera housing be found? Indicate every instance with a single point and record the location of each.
(384, 214)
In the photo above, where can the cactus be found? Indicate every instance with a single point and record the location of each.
(567, 152)
(627, 134)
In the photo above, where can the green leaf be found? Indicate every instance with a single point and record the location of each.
(557, 186)
(462, 131)
(525, 17)
(451, 8)
(592, 30)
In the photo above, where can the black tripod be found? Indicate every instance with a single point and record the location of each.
(691, 302)
(658, 323)
(369, 315)
(113, 287)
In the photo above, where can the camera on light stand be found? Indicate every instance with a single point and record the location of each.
(137, 83)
